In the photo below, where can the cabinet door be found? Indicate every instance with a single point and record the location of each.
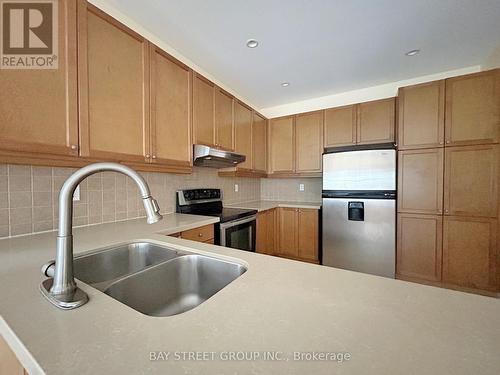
(420, 181)
(203, 111)
(308, 234)
(243, 133)
(224, 120)
(470, 252)
(9, 364)
(170, 110)
(288, 234)
(421, 116)
(340, 126)
(261, 235)
(38, 108)
(471, 181)
(282, 145)
(271, 231)
(308, 142)
(113, 64)
(419, 246)
(259, 140)
(473, 108)
(376, 121)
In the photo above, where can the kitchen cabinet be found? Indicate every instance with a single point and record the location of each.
(170, 110)
(113, 63)
(39, 108)
(421, 116)
(308, 142)
(201, 234)
(259, 141)
(419, 246)
(473, 108)
(9, 364)
(298, 234)
(203, 111)
(470, 252)
(340, 126)
(363, 123)
(243, 118)
(376, 121)
(266, 232)
(224, 124)
(420, 181)
(471, 181)
(282, 150)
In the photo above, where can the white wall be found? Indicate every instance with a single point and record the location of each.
(356, 96)
(493, 61)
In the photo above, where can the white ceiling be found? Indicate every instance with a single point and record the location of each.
(322, 47)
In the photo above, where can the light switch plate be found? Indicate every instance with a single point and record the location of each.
(302, 187)
(236, 188)
(76, 194)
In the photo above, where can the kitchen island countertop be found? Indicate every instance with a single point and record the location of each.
(280, 306)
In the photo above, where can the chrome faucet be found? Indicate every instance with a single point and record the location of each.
(61, 290)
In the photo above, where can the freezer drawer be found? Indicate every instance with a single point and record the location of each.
(360, 235)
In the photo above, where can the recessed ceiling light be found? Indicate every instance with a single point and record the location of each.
(252, 43)
(413, 52)
(285, 84)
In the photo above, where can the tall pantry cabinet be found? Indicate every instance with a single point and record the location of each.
(448, 181)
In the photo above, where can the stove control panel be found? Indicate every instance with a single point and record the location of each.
(193, 196)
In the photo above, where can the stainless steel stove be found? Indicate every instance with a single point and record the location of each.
(236, 228)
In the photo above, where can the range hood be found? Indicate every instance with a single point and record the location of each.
(205, 156)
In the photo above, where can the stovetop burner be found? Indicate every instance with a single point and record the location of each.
(208, 202)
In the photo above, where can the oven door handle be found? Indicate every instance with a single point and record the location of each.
(238, 222)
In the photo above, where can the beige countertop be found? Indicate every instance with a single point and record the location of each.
(278, 305)
(267, 205)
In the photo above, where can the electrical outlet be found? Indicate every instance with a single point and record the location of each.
(236, 188)
(302, 187)
(76, 194)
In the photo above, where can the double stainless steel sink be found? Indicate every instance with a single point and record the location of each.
(155, 280)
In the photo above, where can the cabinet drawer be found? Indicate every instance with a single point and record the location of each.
(200, 234)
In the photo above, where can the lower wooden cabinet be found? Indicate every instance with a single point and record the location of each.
(470, 252)
(201, 234)
(298, 234)
(266, 232)
(419, 246)
(9, 364)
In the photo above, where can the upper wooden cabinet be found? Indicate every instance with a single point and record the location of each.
(419, 246)
(420, 181)
(38, 108)
(203, 111)
(113, 64)
(340, 126)
(170, 110)
(473, 108)
(243, 118)
(471, 181)
(421, 116)
(376, 121)
(470, 252)
(224, 124)
(281, 139)
(308, 142)
(259, 140)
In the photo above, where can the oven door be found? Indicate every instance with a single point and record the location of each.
(239, 234)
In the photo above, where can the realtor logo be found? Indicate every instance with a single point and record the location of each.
(28, 34)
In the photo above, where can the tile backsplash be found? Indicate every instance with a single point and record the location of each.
(288, 189)
(28, 195)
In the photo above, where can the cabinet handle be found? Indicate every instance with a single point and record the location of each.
(446, 211)
(148, 156)
(74, 147)
(200, 234)
(448, 141)
(441, 142)
(154, 156)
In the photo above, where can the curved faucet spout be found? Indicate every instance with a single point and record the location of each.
(62, 290)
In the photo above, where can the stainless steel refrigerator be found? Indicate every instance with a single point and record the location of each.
(359, 210)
